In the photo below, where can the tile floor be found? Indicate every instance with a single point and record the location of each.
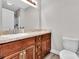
(52, 56)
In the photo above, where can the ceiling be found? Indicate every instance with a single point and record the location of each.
(14, 4)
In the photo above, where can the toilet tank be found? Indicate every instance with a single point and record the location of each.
(70, 44)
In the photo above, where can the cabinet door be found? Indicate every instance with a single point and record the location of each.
(29, 52)
(17, 55)
(48, 46)
(43, 48)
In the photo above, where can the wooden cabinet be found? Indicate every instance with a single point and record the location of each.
(28, 46)
(48, 48)
(29, 52)
(15, 50)
(36, 47)
(16, 55)
(10, 48)
(44, 48)
(43, 45)
(46, 44)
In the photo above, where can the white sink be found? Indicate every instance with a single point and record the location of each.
(12, 36)
(19, 36)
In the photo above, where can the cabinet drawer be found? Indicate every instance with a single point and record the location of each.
(10, 48)
(27, 42)
(16, 55)
(46, 36)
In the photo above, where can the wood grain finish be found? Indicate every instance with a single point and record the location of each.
(10, 48)
(46, 44)
(27, 42)
(13, 47)
(0, 53)
(44, 48)
(36, 47)
(13, 56)
(30, 52)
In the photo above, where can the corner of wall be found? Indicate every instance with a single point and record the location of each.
(55, 51)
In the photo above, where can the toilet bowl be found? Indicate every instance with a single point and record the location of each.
(70, 47)
(65, 54)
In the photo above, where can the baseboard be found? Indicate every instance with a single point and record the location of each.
(54, 51)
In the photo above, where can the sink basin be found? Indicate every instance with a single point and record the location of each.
(12, 36)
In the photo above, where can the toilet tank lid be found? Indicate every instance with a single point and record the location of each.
(69, 38)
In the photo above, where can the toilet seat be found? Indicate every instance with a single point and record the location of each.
(65, 54)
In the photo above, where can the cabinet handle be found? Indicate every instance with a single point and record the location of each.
(24, 52)
(38, 46)
(39, 57)
(39, 38)
(21, 54)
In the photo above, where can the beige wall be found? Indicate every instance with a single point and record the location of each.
(0, 14)
(62, 16)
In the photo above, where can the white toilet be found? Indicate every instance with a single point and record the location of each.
(70, 48)
(65, 54)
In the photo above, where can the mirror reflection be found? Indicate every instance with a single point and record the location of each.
(19, 15)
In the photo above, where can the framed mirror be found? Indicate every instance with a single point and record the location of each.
(20, 14)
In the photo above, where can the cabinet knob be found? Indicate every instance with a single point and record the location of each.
(21, 54)
(39, 57)
(39, 47)
(39, 38)
(24, 52)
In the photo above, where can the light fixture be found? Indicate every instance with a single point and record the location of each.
(31, 4)
(10, 2)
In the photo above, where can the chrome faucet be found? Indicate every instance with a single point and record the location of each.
(21, 29)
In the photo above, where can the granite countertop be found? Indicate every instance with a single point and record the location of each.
(20, 36)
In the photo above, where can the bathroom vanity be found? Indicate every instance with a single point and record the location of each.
(35, 45)
(19, 15)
